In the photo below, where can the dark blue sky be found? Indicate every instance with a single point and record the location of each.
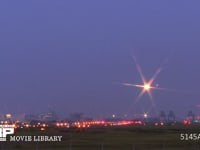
(68, 55)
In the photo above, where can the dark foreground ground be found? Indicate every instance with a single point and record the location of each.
(110, 138)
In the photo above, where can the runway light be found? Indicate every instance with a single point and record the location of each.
(42, 129)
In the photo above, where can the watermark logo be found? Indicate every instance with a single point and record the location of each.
(5, 130)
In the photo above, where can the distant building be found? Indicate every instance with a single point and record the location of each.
(30, 117)
(76, 117)
(162, 116)
(171, 116)
(48, 117)
(191, 116)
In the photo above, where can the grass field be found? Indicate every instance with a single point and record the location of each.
(110, 138)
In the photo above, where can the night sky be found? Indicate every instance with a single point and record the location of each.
(69, 56)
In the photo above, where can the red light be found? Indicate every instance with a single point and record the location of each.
(186, 122)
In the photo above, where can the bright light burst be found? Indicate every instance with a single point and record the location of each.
(147, 86)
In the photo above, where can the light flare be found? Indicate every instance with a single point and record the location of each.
(147, 85)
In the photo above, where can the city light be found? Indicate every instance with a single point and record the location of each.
(145, 115)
